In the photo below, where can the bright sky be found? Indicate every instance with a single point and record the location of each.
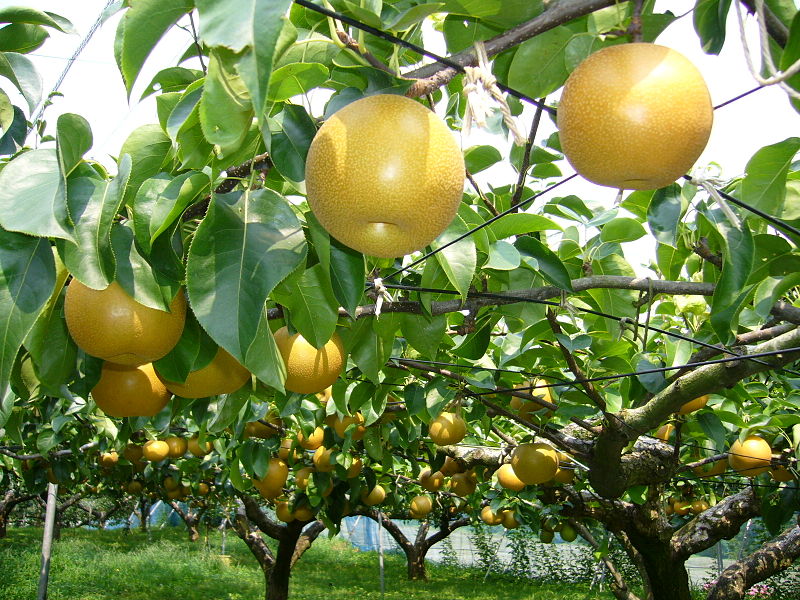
(95, 90)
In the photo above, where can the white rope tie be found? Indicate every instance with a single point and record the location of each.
(480, 88)
(382, 294)
(709, 183)
(776, 77)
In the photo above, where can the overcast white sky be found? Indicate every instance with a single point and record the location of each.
(95, 90)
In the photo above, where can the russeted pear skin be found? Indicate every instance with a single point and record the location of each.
(384, 175)
(309, 370)
(634, 116)
(111, 325)
(223, 375)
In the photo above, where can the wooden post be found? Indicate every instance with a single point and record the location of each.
(47, 540)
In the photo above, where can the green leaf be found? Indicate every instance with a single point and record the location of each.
(14, 132)
(549, 265)
(171, 79)
(33, 196)
(614, 302)
(311, 303)
(6, 112)
(478, 158)
(228, 408)
(519, 224)
(74, 139)
(772, 289)
(413, 15)
(712, 426)
(424, 334)
(225, 111)
(474, 345)
(54, 351)
(185, 113)
(459, 260)
(27, 279)
(165, 208)
(24, 14)
(141, 28)
(664, 214)
(252, 28)
(369, 346)
(93, 205)
(290, 135)
(671, 260)
(20, 71)
(764, 183)
(148, 147)
(22, 37)
(538, 67)
(246, 244)
(730, 292)
(502, 257)
(709, 18)
(622, 229)
(652, 382)
(347, 275)
(135, 274)
(295, 79)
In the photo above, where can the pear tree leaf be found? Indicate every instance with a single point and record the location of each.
(458, 260)
(140, 29)
(93, 205)
(246, 245)
(33, 197)
(27, 279)
(254, 30)
(20, 71)
(73, 140)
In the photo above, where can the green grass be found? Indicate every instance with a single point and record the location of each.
(99, 565)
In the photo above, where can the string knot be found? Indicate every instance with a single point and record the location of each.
(480, 88)
(381, 294)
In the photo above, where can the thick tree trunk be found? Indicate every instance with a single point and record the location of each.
(416, 564)
(278, 582)
(668, 577)
(3, 525)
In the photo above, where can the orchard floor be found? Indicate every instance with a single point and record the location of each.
(98, 565)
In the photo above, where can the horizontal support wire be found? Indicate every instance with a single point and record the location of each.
(597, 313)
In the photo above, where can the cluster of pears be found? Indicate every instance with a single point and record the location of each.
(303, 454)
(130, 336)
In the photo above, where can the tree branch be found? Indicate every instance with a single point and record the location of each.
(557, 14)
(305, 540)
(721, 521)
(773, 557)
(256, 516)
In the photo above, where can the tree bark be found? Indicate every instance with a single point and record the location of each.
(278, 583)
(293, 541)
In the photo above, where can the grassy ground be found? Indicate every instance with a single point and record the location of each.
(92, 565)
